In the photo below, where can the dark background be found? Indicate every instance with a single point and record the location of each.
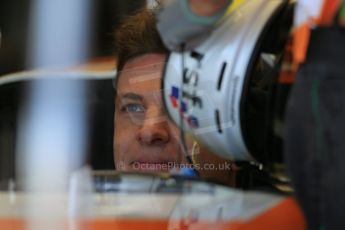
(14, 16)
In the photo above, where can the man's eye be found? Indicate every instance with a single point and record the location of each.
(133, 108)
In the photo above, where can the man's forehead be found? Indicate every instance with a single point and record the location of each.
(141, 64)
(139, 94)
(132, 70)
(143, 83)
(141, 75)
(139, 78)
(148, 81)
(148, 76)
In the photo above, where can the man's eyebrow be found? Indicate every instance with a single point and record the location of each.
(132, 96)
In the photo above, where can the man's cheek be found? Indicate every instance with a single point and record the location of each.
(124, 146)
(126, 121)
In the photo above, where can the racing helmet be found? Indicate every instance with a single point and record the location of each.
(222, 91)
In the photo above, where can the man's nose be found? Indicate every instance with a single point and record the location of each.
(155, 129)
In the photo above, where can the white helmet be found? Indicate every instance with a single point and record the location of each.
(206, 90)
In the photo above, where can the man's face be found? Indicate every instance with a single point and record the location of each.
(144, 139)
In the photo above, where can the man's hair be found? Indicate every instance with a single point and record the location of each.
(137, 35)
